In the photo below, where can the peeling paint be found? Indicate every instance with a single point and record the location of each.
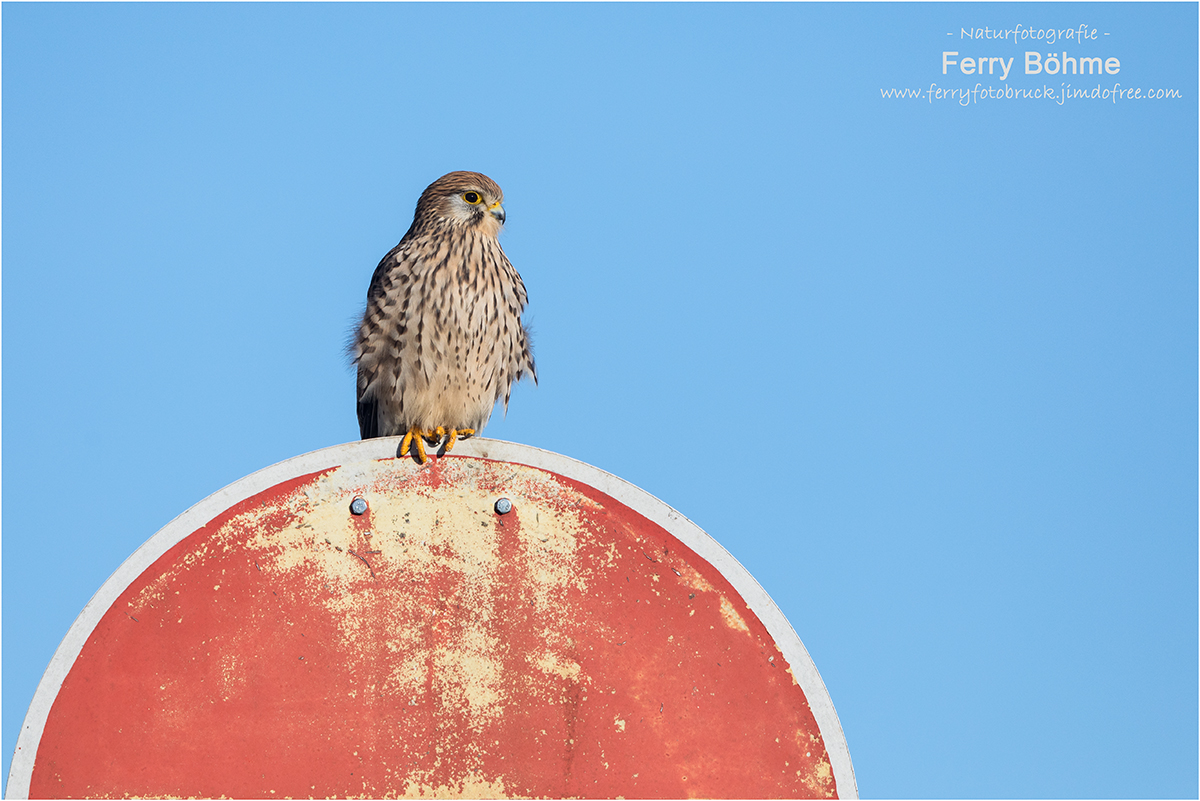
(469, 787)
(431, 647)
(731, 617)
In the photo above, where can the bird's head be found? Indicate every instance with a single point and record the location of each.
(468, 199)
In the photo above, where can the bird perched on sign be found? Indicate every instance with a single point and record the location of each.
(441, 339)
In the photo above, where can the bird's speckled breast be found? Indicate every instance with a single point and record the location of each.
(444, 339)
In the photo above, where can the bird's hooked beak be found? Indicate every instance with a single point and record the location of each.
(497, 211)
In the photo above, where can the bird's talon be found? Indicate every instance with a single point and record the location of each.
(413, 437)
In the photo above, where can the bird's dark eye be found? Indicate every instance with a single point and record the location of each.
(471, 197)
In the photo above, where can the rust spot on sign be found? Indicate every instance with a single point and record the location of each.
(431, 647)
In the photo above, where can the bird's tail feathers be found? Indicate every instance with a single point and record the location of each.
(368, 416)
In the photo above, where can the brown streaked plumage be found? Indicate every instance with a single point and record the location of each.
(441, 339)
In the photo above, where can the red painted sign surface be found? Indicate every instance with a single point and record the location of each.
(430, 647)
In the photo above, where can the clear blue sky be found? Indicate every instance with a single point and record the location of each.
(928, 370)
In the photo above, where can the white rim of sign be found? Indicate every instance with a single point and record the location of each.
(645, 504)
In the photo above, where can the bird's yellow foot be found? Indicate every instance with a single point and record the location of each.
(455, 435)
(414, 437)
(418, 437)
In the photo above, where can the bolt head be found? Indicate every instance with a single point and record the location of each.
(503, 506)
(358, 506)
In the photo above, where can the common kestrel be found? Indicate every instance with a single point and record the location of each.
(441, 339)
